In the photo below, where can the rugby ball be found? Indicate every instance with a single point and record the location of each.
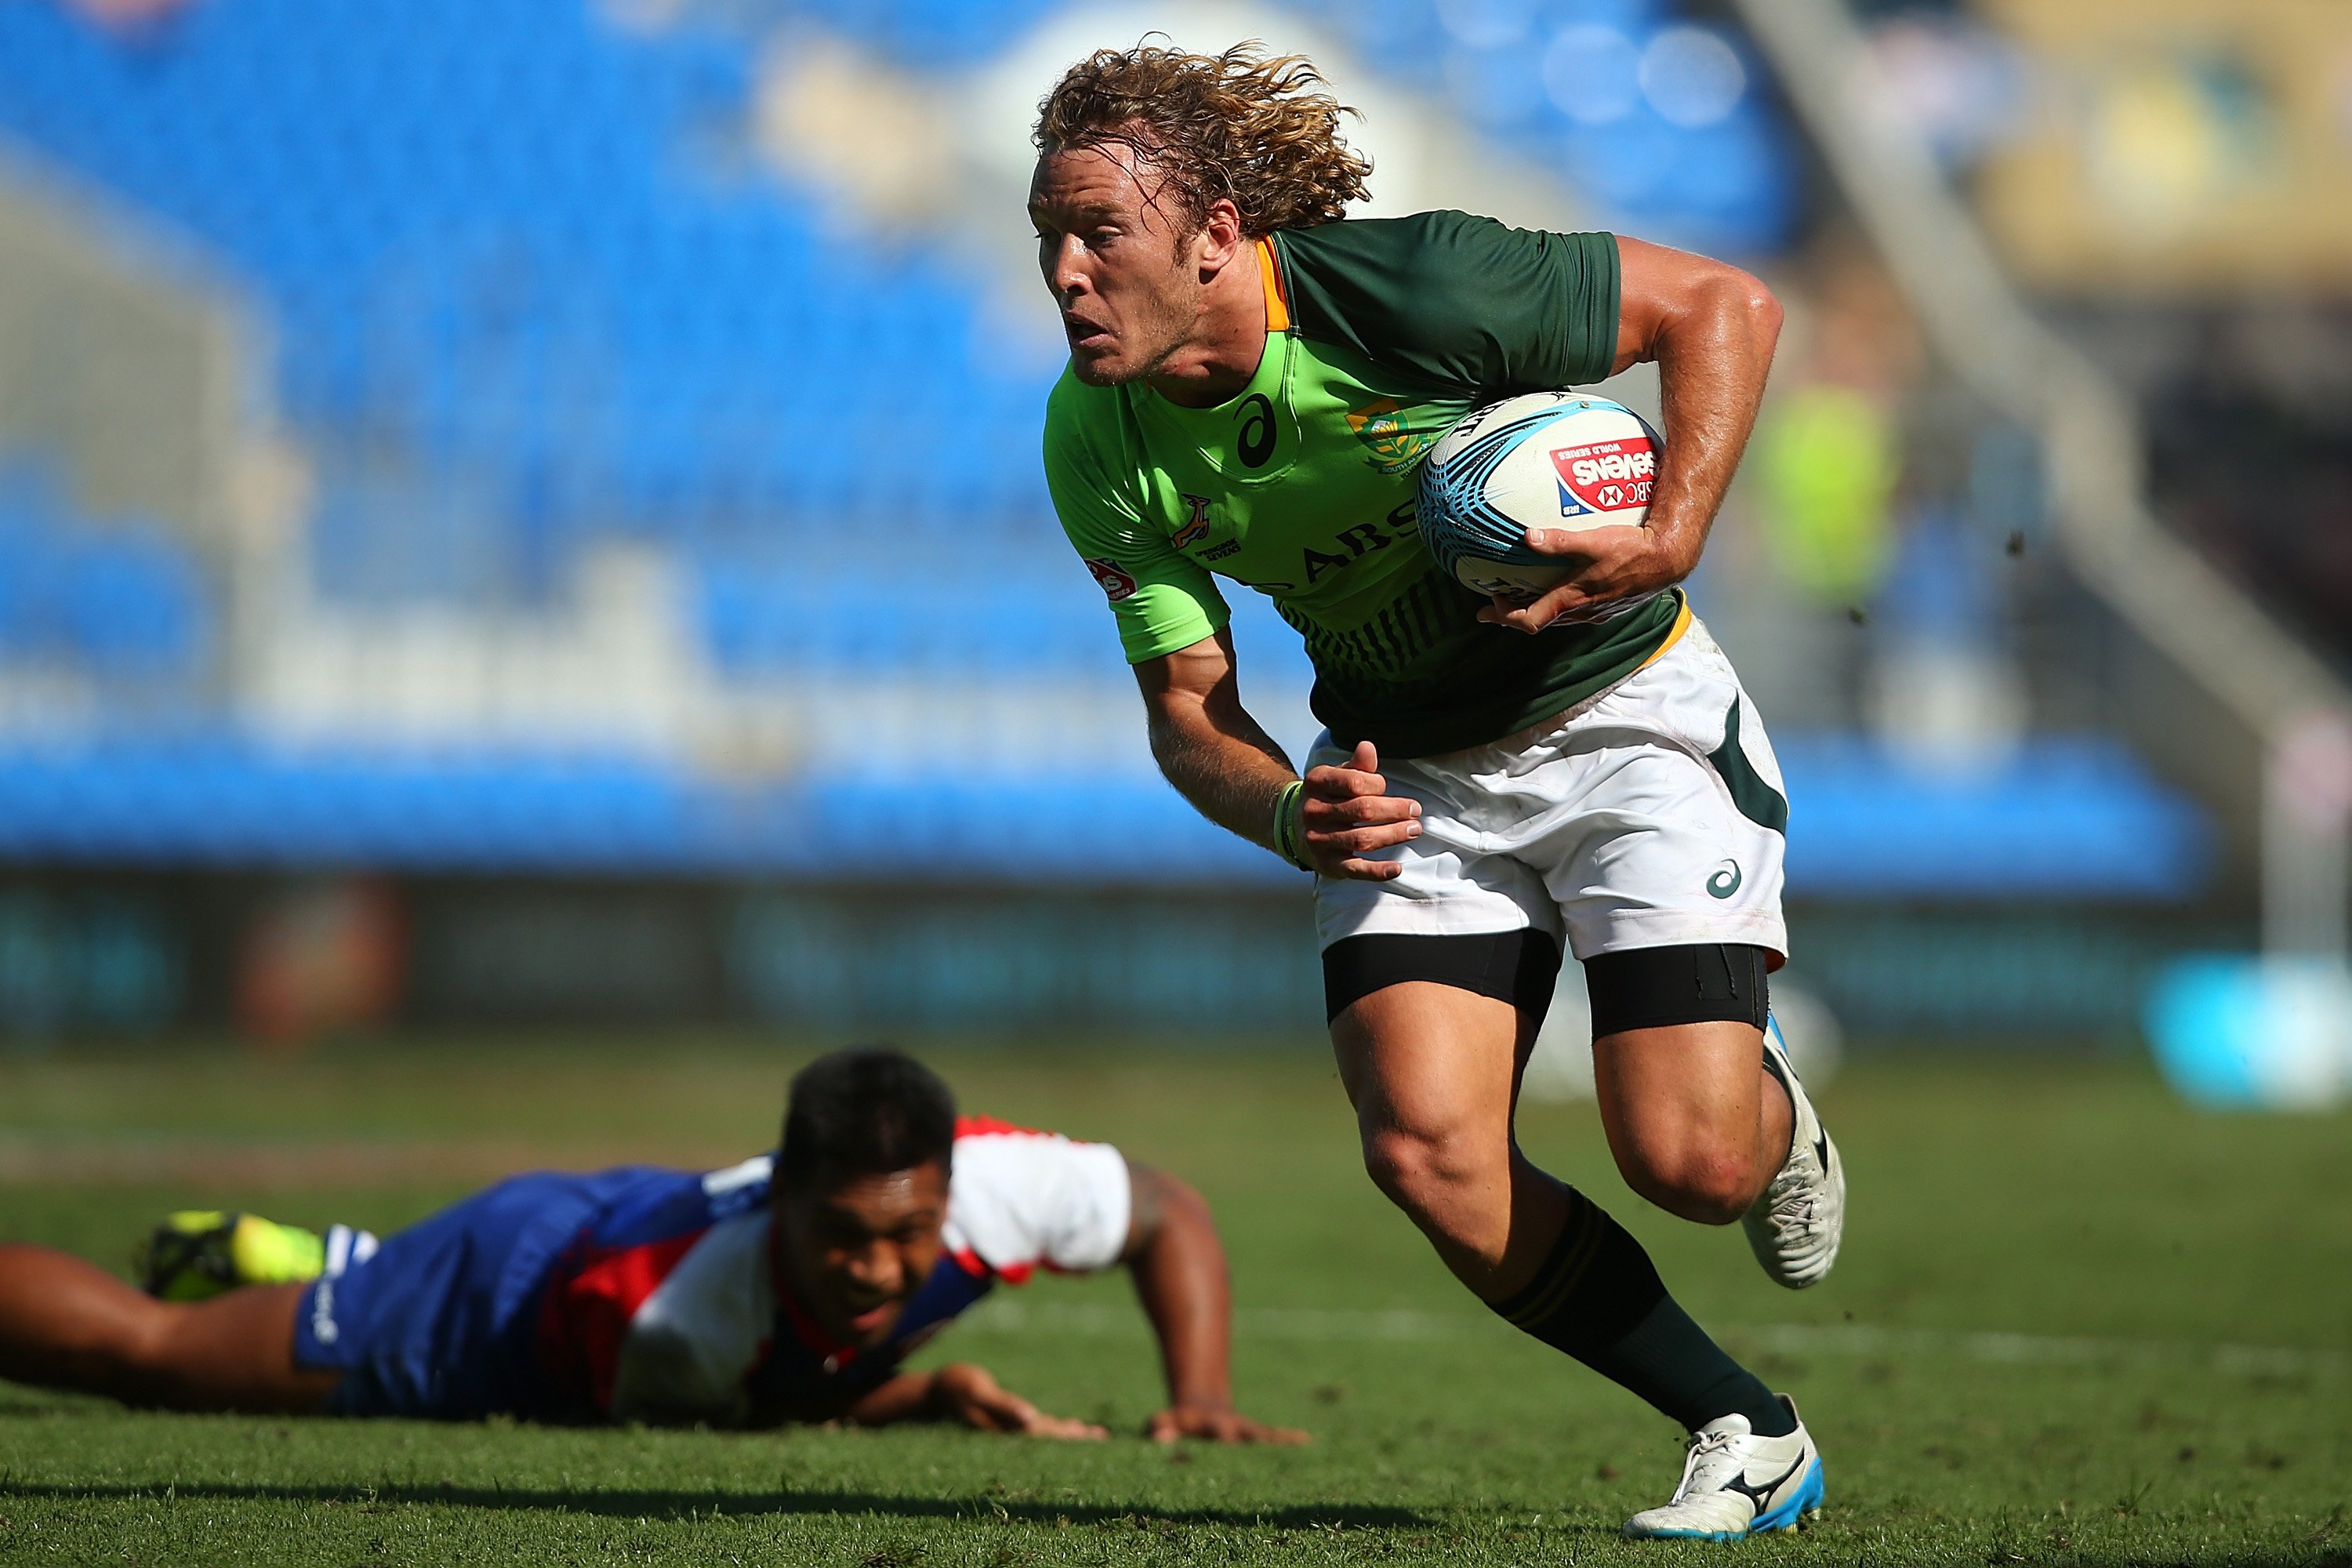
(1545, 459)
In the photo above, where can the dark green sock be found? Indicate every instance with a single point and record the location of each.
(1597, 1296)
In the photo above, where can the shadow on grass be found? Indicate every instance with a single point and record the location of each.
(676, 1505)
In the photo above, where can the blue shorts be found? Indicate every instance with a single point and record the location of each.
(441, 1321)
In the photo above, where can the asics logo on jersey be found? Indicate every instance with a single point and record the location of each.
(1725, 882)
(1256, 440)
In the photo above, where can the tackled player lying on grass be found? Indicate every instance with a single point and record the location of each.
(789, 1288)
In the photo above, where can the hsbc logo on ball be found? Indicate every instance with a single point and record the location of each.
(1605, 475)
(1117, 584)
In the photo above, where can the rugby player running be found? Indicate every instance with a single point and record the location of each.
(1251, 383)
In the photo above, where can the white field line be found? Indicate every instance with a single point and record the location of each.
(1339, 1325)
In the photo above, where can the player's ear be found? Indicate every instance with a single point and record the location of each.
(1220, 240)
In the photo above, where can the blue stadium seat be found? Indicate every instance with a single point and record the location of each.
(515, 166)
(118, 599)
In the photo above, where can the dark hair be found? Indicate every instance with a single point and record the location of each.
(865, 1111)
(1243, 125)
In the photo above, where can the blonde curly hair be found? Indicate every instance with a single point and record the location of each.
(1243, 125)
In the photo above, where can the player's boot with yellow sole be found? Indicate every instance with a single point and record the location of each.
(197, 1254)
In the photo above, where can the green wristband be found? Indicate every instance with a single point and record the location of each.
(1289, 828)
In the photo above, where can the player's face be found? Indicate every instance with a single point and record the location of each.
(1119, 263)
(856, 1252)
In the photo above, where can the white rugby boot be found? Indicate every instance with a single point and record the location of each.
(1796, 1222)
(1736, 1484)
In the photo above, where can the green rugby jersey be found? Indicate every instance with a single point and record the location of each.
(1381, 333)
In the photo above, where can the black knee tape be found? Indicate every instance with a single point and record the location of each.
(1657, 987)
(1516, 967)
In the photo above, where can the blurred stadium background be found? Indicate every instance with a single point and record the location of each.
(530, 513)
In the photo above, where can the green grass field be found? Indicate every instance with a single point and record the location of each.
(2073, 1322)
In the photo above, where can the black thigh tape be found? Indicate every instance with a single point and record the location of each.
(1516, 967)
(1657, 987)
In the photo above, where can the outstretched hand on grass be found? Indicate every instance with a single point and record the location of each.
(969, 1393)
(1218, 1424)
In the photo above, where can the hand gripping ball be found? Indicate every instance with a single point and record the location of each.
(1545, 459)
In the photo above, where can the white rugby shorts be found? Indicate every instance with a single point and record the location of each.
(1651, 814)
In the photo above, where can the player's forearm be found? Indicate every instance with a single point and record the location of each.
(1180, 1278)
(1224, 764)
(1205, 741)
(1713, 359)
(908, 1396)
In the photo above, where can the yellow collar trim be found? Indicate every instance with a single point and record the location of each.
(1277, 308)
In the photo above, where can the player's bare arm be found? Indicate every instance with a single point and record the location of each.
(967, 1395)
(1711, 328)
(1179, 1265)
(1224, 762)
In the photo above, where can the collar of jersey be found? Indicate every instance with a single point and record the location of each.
(1278, 298)
(1211, 429)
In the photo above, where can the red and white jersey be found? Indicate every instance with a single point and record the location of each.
(666, 1309)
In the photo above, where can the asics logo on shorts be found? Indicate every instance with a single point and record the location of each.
(1725, 882)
